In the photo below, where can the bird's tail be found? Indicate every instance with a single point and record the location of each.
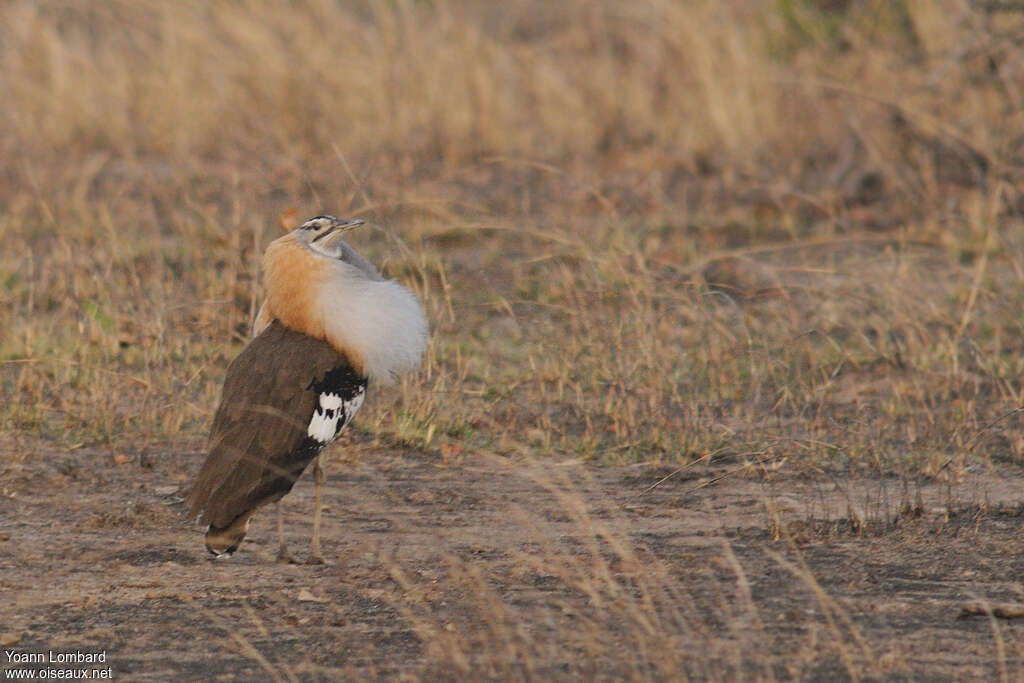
(222, 542)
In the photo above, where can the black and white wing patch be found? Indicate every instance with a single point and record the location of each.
(333, 414)
(339, 395)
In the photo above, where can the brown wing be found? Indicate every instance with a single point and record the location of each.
(257, 441)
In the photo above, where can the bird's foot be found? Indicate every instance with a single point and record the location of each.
(285, 557)
(315, 559)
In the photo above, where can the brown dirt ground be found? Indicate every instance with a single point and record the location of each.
(470, 567)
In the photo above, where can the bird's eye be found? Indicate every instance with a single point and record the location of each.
(318, 223)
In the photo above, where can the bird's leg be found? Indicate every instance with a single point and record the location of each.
(282, 550)
(315, 557)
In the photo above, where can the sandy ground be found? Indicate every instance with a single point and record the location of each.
(479, 568)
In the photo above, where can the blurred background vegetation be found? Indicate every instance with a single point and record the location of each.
(783, 230)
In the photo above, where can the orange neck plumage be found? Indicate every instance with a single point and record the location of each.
(294, 277)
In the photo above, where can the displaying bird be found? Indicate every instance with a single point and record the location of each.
(331, 325)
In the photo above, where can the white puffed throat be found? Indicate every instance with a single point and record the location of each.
(380, 320)
(377, 324)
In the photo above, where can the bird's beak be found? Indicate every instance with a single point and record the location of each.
(349, 224)
(337, 230)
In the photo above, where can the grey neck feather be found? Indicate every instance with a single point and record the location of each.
(345, 253)
(338, 249)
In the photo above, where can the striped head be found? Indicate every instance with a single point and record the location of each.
(324, 233)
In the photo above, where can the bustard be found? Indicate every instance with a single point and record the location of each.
(330, 325)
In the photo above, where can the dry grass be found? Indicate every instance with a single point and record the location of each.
(642, 233)
(787, 232)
